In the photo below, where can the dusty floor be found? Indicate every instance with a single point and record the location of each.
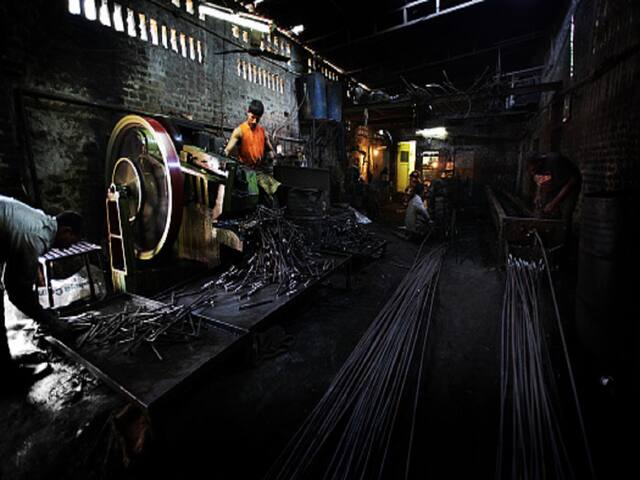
(234, 424)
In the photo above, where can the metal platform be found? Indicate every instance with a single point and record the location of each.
(243, 316)
(83, 249)
(141, 376)
(145, 379)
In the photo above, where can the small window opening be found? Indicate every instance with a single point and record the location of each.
(571, 52)
(153, 30)
(118, 23)
(200, 52)
(131, 24)
(235, 31)
(183, 45)
(105, 18)
(90, 12)
(189, 6)
(164, 36)
(174, 40)
(192, 48)
(142, 24)
(74, 7)
(176, 3)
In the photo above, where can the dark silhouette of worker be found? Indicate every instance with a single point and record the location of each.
(557, 183)
(26, 234)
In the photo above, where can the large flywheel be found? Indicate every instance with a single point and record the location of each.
(142, 158)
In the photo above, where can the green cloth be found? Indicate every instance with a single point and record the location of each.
(267, 183)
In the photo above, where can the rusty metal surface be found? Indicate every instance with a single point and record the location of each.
(141, 376)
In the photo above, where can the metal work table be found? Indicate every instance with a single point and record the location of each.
(148, 381)
(141, 376)
(231, 313)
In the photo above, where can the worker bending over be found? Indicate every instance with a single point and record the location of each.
(25, 235)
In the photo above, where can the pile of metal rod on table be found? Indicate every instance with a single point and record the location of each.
(340, 235)
(536, 438)
(356, 430)
(134, 326)
(280, 256)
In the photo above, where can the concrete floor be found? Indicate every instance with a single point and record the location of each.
(234, 424)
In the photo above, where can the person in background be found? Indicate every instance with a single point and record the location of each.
(417, 218)
(25, 235)
(557, 185)
(415, 178)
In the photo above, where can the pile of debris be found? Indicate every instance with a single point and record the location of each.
(280, 256)
(345, 235)
(134, 326)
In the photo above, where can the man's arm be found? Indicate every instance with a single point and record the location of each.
(422, 211)
(236, 136)
(268, 147)
(568, 187)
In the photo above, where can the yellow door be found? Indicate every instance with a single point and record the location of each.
(405, 164)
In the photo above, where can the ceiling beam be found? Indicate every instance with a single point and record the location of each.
(423, 66)
(404, 24)
(504, 43)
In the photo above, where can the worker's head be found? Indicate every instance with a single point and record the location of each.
(70, 229)
(414, 178)
(534, 164)
(254, 113)
(419, 189)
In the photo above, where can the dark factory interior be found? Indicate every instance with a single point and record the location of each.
(276, 239)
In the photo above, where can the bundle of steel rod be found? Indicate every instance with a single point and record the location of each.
(135, 326)
(353, 430)
(345, 236)
(535, 438)
(280, 257)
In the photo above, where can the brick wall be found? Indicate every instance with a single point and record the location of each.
(66, 80)
(594, 120)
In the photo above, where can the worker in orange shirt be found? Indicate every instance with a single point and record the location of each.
(253, 145)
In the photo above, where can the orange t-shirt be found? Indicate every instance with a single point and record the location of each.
(251, 148)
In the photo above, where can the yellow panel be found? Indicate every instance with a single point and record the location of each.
(405, 164)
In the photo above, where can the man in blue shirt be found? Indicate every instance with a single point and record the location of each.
(25, 234)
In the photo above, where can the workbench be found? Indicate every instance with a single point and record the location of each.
(143, 378)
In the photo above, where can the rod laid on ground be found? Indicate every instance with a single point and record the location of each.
(360, 410)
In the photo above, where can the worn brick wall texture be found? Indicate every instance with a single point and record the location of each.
(66, 80)
(594, 120)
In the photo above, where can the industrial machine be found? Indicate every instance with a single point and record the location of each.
(166, 193)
